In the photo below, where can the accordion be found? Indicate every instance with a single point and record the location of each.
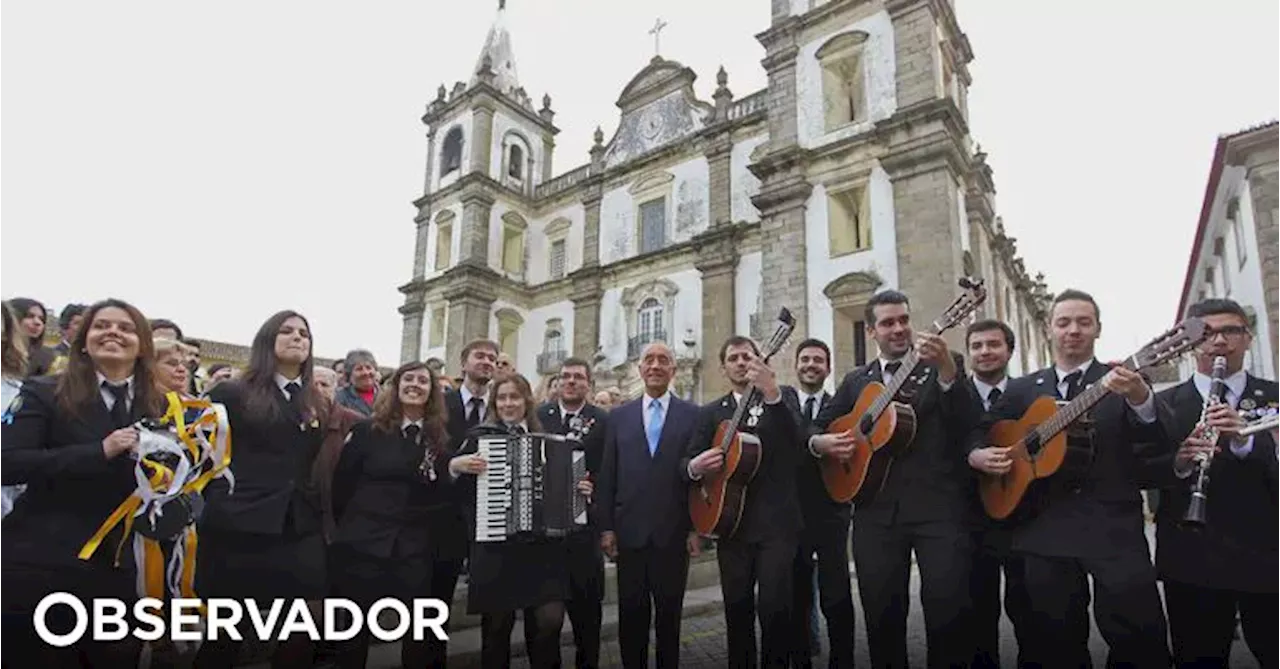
(529, 488)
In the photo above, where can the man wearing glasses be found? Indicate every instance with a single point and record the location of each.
(1227, 567)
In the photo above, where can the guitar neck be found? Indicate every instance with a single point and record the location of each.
(1076, 407)
(909, 363)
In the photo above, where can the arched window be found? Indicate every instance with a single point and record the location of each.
(451, 153)
(553, 341)
(515, 164)
(649, 321)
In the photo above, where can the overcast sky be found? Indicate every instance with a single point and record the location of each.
(216, 162)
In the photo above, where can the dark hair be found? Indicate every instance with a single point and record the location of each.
(217, 367)
(69, 312)
(883, 297)
(435, 363)
(530, 409)
(78, 385)
(738, 340)
(475, 344)
(259, 377)
(987, 326)
(355, 357)
(164, 323)
(813, 343)
(388, 412)
(1218, 305)
(21, 305)
(13, 351)
(1071, 294)
(573, 361)
(334, 365)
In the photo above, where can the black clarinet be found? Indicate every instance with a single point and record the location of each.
(1196, 510)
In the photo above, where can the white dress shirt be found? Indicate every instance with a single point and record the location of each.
(817, 402)
(282, 381)
(1146, 411)
(465, 394)
(1235, 391)
(664, 400)
(984, 390)
(108, 398)
(886, 376)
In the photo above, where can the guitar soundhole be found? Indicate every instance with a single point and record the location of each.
(847, 468)
(866, 424)
(1032, 444)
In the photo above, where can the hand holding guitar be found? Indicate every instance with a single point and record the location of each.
(1126, 382)
(933, 349)
(990, 460)
(762, 376)
(706, 462)
(839, 445)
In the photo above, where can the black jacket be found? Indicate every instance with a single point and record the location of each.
(592, 425)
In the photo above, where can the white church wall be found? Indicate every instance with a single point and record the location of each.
(502, 125)
(462, 120)
(746, 291)
(533, 335)
(455, 235)
(686, 316)
(879, 70)
(743, 184)
(881, 258)
(540, 244)
(688, 210)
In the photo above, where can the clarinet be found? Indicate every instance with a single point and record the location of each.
(1195, 516)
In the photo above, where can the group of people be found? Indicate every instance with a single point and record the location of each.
(365, 488)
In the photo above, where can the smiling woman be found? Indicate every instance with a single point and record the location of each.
(69, 440)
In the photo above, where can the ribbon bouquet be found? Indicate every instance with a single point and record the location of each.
(176, 458)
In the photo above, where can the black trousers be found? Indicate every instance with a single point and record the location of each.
(543, 649)
(944, 553)
(651, 583)
(586, 592)
(1202, 623)
(991, 558)
(432, 652)
(1126, 607)
(744, 566)
(828, 539)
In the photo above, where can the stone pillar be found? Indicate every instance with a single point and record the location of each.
(548, 151)
(718, 261)
(1264, 191)
(926, 221)
(411, 335)
(431, 160)
(591, 228)
(481, 138)
(474, 247)
(781, 201)
(718, 154)
(468, 320)
(422, 233)
(914, 30)
(780, 64)
(586, 294)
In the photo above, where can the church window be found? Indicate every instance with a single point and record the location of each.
(649, 322)
(451, 153)
(509, 322)
(844, 98)
(653, 225)
(436, 338)
(444, 239)
(553, 341)
(849, 220)
(557, 259)
(515, 164)
(513, 227)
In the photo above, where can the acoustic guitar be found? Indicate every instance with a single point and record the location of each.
(1038, 443)
(717, 501)
(882, 427)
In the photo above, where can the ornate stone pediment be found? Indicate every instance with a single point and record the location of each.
(851, 288)
(658, 107)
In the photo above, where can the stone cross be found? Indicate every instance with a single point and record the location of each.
(656, 31)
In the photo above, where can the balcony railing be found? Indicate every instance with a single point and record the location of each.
(637, 343)
(549, 361)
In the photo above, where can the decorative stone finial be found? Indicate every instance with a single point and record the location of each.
(723, 96)
(722, 77)
(597, 152)
(546, 101)
(546, 112)
(440, 93)
(485, 73)
(599, 136)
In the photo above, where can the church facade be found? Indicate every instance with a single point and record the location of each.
(852, 172)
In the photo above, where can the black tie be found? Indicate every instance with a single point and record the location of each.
(295, 395)
(992, 397)
(892, 368)
(567, 422)
(516, 429)
(1073, 384)
(473, 415)
(411, 432)
(808, 410)
(120, 407)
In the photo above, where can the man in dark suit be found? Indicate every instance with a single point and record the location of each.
(826, 526)
(1077, 524)
(572, 415)
(991, 344)
(1228, 566)
(643, 507)
(763, 548)
(923, 506)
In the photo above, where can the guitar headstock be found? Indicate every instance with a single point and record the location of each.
(970, 299)
(786, 325)
(1170, 345)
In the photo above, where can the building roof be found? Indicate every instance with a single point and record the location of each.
(502, 59)
(1206, 207)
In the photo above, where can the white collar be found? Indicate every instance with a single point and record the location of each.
(128, 382)
(522, 425)
(1063, 374)
(985, 388)
(800, 393)
(664, 399)
(1235, 383)
(885, 362)
(282, 381)
(405, 422)
(465, 393)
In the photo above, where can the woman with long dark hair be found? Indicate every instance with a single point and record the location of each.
(13, 369)
(70, 442)
(264, 541)
(390, 489)
(32, 320)
(528, 575)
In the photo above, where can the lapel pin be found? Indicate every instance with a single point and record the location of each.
(1247, 404)
(1257, 391)
(1040, 381)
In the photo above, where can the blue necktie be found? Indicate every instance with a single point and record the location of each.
(654, 431)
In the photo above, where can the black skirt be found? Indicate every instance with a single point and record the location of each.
(517, 574)
(241, 565)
